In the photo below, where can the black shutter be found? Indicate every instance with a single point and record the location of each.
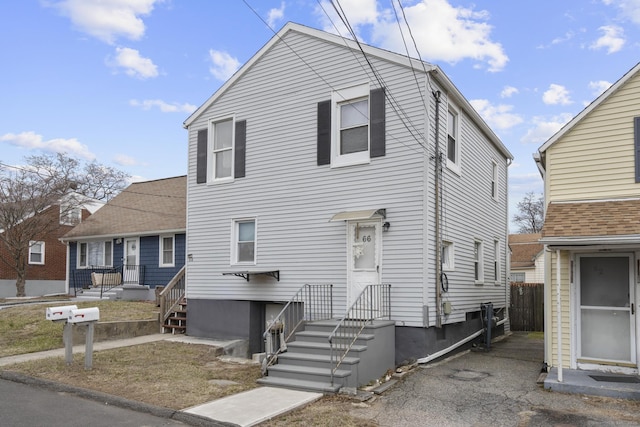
(201, 158)
(324, 133)
(240, 149)
(636, 145)
(377, 130)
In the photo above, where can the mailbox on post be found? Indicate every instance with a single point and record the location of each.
(59, 313)
(82, 315)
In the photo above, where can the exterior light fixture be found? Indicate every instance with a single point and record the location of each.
(385, 226)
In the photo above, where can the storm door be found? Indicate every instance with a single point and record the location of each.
(364, 251)
(606, 309)
(131, 265)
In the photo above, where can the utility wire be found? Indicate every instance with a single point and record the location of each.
(393, 102)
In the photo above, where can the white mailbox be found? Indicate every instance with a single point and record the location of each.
(60, 313)
(81, 315)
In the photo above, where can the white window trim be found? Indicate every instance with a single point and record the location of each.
(480, 261)
(454, 166)
(31, 245)
(494, 180)
(339, 97)
(449, 248)
(234, 241)
(161, 250)
(78, 252)
(211, 160)
(497, 267)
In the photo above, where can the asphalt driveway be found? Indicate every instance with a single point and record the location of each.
(495, 388)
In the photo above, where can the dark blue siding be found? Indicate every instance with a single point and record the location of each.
(150, 258)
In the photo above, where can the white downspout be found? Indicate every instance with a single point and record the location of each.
(444, 351)
(559, 315)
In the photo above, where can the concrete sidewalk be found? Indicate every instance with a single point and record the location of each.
(243, 409)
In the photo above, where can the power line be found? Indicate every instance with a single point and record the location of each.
(393, 102)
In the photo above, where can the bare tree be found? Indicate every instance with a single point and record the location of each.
(530, 215)
(34, 197)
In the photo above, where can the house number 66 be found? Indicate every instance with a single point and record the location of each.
(366, 238)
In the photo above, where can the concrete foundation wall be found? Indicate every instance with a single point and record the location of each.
(33, 288)
(228, 320)
(416, 343)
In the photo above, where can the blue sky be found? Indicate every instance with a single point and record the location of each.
(114, 80)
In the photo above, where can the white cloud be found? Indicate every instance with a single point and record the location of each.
(612, 40)
(444, 33)
(556, 94)
(275, 15)
(33, 141)
(630, 9)
(508, 92)
(108, 19)
(544, 129)
(124, 160)
(598, 87)
(496, 116)
(358, 12)
(134, 64)
(223, 64)
(163, 106)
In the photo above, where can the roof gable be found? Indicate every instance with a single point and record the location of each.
(418, 66)
(597, 102)
(142, 208)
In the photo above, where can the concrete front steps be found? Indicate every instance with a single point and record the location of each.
(306, 365)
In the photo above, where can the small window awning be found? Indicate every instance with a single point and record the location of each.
(359, 215)
(247, 274)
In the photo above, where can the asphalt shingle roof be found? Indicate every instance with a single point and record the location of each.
(592, 219)
(524, 248)
(142, 208)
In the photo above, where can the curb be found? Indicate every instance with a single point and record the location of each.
(108, 399)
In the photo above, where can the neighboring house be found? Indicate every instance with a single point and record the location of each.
(47, 256)
(527, 258)
(591, 171)
(136, 240)
(306, 168)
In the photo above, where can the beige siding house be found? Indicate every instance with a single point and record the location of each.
(592, 235)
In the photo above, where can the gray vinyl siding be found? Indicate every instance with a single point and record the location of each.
(293, 199)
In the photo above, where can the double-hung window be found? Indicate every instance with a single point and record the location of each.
(453, 138)
(167, 251)
(244, 242)
(221, 149)
(478, 262)
(36, 253)
(351, 132)
(95, 254)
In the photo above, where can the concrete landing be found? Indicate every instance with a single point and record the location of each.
(254, 406)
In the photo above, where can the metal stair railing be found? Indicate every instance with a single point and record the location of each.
(171, 296)
(310, 303)
(374, 302)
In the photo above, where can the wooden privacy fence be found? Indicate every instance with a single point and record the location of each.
(527, 307)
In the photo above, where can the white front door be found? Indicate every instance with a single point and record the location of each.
(363, 254)
(606, 309)
(130, 264)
